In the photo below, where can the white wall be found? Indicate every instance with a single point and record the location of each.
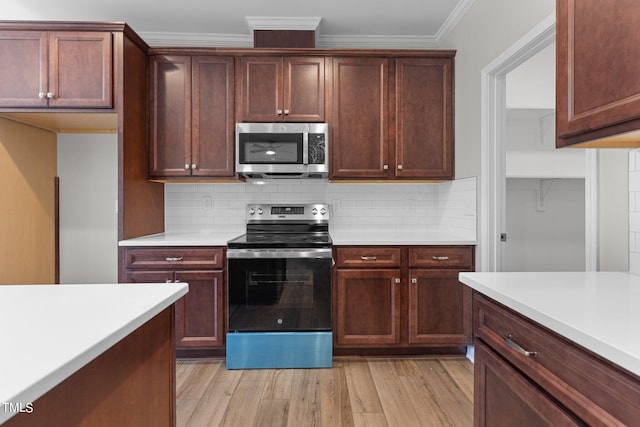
(487, 29)
(545, 230)
(87, 167)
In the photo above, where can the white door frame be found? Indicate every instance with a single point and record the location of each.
(493, 152)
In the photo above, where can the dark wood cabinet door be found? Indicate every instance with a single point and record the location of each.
(503, 397)
(360, 145)
(212, 107)
(368, 307)
(303, 89)
(439, 308)
(597, 66)
(170, 116)
(199, 314)
(149, 276)
(262, 89)
(80, 69)
(424, 144)
(24, 70)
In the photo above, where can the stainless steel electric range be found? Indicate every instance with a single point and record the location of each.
(279, 289)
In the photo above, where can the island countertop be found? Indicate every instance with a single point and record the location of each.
(598, 310)
(51, 331)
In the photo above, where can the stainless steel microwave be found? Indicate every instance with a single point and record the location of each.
(282, 150)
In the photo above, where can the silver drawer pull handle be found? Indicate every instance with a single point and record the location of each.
(368, 258)
(173, 259)
(440, 258)
(519, 349)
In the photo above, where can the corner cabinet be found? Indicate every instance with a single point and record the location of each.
(394, 299)
(56, 69)
(276, 89)
(191, 117)
(199, 318)
(597, 64)
(525, 374)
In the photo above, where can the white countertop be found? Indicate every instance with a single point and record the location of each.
(597, 310)
(338, 237)
(51, 331)
(183, 239)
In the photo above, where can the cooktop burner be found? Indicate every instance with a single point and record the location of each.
(285, 226)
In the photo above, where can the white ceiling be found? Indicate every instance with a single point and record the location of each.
(344, 23)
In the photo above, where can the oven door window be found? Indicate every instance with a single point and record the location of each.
(271, 148)
(288, 294)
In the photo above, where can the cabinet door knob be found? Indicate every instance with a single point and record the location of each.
(279, 112)
(193, 166)
(385, 167)
(397, 280)
(286, 112)
(42, 95)
(400, 167)
(50, 95)
(414, 280)
(186, 166)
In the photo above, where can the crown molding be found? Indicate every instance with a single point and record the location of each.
(196, 39)
(452, 20)
(283, 23)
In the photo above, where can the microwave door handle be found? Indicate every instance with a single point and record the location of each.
(305, 148)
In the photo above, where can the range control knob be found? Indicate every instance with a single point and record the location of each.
(323, 211)
(314, 211)
(252, 211)
(260, 211)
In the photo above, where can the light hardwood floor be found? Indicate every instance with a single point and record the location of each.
(371, 392)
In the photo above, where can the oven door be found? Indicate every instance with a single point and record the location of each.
(279, 290)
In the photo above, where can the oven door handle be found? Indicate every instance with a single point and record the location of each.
(279, 253)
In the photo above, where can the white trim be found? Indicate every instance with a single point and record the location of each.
(592, 229)
(452, 20)
(196, 40)
(283, 23)
(493, 100)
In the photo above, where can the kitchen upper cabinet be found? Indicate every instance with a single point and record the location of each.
(278, 89)
(392, 118)
(597, 66)
(57, 69)
(423, 115)
(360, 121)
(192, 124)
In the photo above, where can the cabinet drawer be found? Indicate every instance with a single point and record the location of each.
(358, 257)
(174, 258)
(441, 257)
(597, 391)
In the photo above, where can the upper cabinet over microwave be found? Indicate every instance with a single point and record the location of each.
(597, 68)
(276, 89)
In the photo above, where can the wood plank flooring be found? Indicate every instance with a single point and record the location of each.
(358, 392)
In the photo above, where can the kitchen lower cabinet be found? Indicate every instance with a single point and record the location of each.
(527, 375)
(199, 315)
(402, 299)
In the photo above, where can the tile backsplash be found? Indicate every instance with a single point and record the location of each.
(448, 207)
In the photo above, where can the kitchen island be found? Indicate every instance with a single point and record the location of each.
(556, 348)
(91, 355)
